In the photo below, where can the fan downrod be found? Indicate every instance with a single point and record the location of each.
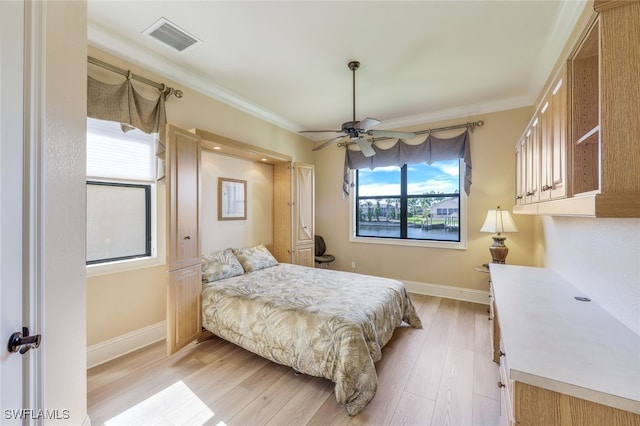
(353, 65)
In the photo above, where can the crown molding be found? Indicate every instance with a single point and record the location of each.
(458, 112)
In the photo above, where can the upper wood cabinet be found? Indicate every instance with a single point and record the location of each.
(541, 153)
(553, 142)
(587, 124)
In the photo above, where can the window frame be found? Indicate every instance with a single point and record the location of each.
(147, 187)
(158, 223)
(393, 241)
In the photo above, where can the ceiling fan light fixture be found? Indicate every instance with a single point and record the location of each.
(354, 129)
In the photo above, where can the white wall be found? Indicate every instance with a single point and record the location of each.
(258, 227)
(602, 258)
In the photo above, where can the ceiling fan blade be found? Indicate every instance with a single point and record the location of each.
(324, 144)
(391, 134)
(367, 123)
(320, 131)
(365, 147)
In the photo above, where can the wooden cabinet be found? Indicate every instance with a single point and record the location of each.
(563, 361)
(183, 307)
(294, 213)
(183, 238)
(304, 214)
(282, 212)
(553, 141)
(585, 113)
(541, 154)
(587, 126)
(183, 191)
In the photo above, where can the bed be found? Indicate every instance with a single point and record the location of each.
(319, 322)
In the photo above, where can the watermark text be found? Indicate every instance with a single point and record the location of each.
(32, 414)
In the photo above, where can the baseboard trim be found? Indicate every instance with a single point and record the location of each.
(113, 348)
(448, 292)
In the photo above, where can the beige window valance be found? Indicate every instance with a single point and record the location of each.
(123, 104)
(401, 153)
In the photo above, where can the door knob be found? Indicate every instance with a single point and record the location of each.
(23, 342)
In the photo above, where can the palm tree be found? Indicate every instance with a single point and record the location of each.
(391, 208)
(411, 205)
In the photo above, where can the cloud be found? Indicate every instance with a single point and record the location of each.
(380, 189)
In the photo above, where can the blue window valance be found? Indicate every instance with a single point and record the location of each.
(430, 150)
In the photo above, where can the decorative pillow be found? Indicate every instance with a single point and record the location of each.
(219, 265)
(255, 258)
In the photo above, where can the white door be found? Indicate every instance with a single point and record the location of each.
(11, 211)
(42, 210)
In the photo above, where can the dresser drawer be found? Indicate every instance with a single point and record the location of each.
(506, 391)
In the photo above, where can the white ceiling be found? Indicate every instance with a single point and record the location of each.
(286, 61)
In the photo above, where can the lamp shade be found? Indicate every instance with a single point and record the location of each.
(498, 221)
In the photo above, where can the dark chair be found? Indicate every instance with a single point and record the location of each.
(321, 257)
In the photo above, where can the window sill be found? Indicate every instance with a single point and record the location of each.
(453, 245)
(124, 266)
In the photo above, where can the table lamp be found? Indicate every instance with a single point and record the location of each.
(498, 221)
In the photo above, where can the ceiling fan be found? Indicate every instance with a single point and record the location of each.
(357, 131)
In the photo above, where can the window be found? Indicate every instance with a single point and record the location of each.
(121, 186)
(416, 203)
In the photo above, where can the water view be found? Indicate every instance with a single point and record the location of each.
(387, 230)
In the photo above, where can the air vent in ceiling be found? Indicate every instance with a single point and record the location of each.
(171, 35)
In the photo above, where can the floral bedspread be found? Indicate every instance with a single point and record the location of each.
(320, 322)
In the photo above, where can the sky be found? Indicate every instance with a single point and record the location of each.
(440, 177)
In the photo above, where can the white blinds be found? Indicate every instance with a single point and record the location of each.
(113, 154)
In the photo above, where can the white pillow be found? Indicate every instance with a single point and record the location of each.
(255, 258)
(219, 265)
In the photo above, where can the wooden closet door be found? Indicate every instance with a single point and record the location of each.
(304, 208)
(282, 213)
(184, 323)
(183, 185)
(184, 283)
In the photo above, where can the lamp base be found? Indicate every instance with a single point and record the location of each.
(498, 250)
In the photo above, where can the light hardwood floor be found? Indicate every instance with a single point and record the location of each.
(439, 375)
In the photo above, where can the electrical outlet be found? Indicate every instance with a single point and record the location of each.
(353, 265)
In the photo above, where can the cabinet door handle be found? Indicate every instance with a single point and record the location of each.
(501, 385)
(519, 197)
(547, 187)
(501, 353)
(187, 237)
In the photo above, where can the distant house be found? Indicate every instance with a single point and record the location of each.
(380, 210)
(446, 211)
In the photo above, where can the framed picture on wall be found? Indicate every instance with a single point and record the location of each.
(232, 199)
